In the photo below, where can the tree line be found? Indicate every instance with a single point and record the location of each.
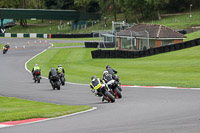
(129, 8)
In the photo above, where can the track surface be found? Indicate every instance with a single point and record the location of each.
(141, 110)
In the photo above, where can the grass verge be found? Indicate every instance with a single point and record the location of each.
(179, 21)
(18, 109)
(78, 39)
(1, 46)
(178, 68)
(192, 36)
(66, 44)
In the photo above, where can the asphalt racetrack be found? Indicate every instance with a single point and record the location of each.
(141, 110)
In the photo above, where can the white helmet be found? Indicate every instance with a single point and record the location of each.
(105, 72)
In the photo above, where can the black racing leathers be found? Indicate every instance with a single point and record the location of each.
(53, 74)
(107, 77)
(111, 71)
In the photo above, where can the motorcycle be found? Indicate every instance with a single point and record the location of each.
(37, 76)
(113, 85)
(5, 49)
(102, 91)
(62, 78)
(116, 78)
(55, 82)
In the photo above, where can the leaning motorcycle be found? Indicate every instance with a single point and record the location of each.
(113, 86)
(62, 78)
(116, 78)
(55, 82)
(37, 76)
(102, 91)
(5, 50)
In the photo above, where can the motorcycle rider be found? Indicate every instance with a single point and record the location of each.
(107, 77)
(114, 77)
(111, 70)
(61, 73)
(60, 69)
(95, 86)
(53, 75)
(35, 69)
(6, 47)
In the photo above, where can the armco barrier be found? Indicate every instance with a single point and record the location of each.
(143, 53)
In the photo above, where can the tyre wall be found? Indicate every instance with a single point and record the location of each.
(143, 53)
(99, 45)
(80, 35)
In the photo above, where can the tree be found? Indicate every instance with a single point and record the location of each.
(158, 4)
(60, 4)
(8, 3)
(87, 5)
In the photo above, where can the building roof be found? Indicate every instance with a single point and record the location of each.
(154, 30)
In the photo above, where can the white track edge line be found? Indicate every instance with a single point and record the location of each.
(164, 87)
(81, 112)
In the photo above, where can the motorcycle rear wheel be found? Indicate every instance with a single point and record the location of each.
(109, 96)
(58, 85)
(38, 80)
(117, 93)
(62, 79)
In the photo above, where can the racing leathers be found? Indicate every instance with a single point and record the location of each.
(111, 71)
(35, 69)
(53, 76)
(108, 78)
(60, 70)
(95, 86)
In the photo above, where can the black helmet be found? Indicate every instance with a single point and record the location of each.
(108, 66)
(59, 65)
(93, 77)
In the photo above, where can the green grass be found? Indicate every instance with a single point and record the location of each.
(178, 68)
(1, 46)
(40, 27)
(77, 39)
(192, 36)
(179, 21)
(17, 109)
(66, 44)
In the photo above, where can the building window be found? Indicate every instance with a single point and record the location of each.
(167, 42)
(152, 43)
(127, 43)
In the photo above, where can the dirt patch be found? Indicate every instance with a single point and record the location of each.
(196, 27)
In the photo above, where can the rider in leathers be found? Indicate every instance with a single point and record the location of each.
(53, 75)
(95, 86)
(111, 70)
(60, 69)
(35, 69)
(108, 78)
